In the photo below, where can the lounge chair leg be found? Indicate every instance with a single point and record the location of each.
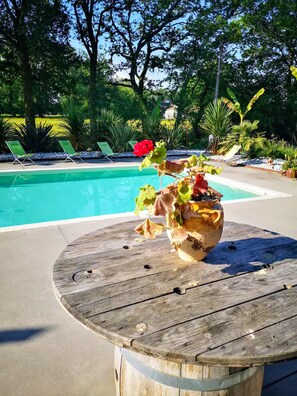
(17, 161)
(109, 159)
(70, 159)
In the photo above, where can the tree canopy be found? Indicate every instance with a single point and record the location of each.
(127, 56)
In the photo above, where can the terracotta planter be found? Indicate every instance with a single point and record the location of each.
(291, 173)
(204, 228)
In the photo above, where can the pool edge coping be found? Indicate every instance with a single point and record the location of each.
(265, 193)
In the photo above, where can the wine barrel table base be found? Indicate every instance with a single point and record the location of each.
(180, 328)
(137, 374)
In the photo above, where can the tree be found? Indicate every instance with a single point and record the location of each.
(92, 24)
(196, 66)
(32, 30)
(268, 50)
(141, 33)
(10, 83)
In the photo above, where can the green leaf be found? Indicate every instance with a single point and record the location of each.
(146, 198)
(213, 170)
(192, 161)
(145, 163)
(232, 95)
(158, 154)
(294, 71)
(185, 192)
(155, 157)
(254, 99)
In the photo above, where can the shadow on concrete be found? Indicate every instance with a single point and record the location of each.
(20, 335)
(252, 254)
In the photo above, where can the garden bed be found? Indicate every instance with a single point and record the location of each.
(92, 155)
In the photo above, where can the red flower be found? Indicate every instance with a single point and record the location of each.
(201, 186)
(143, 147)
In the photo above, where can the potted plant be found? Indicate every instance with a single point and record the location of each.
(290, 167)
(191, 208)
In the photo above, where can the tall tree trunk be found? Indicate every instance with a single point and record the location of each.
(93, 94)
(27, 81)
(218, 73)
(11, 100)
(142, 104)
(139, 91)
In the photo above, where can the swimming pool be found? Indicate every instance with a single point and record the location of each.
(40, 196)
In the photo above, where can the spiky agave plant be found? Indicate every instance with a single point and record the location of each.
(74, 124)
(38, 140)
(119, 135)
(6, 132)
(216, 121)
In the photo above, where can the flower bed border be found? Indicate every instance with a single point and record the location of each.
(52, 156)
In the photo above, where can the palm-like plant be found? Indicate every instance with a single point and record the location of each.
(74, 124)
(6, 131)
(173, 137)
(119, 135)
(216, 121)
(245, 134)
(36, 140)
(106, 119)
(151, 124)
(236, 106)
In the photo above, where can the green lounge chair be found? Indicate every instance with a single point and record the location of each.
(106, 150)
(20, 156)
(69, 151)
(132, 143)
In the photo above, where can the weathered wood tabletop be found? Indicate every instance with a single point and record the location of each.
(237, 308)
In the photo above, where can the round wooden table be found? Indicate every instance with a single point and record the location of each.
(181, 328)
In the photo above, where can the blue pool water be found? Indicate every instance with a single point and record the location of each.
(35, 197)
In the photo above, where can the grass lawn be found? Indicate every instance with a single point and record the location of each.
(55, 121)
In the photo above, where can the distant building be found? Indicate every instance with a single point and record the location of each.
(171, 112)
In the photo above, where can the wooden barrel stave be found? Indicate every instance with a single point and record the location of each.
(131, 382)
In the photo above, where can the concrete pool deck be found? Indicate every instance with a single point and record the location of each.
(44, 351)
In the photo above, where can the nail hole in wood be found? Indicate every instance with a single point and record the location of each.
(125, 247)
(141, 328)
(148, 266)
(89, 271)
(116, 375)
(179, 290)
(232, 247)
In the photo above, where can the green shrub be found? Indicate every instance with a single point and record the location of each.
(279, 149)
(119, 136)
(151, 124)
(173, 137)
(106, 120)
(6, 132)
(252, 143)
(216, 121)
(74, 125)
(36, 140)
